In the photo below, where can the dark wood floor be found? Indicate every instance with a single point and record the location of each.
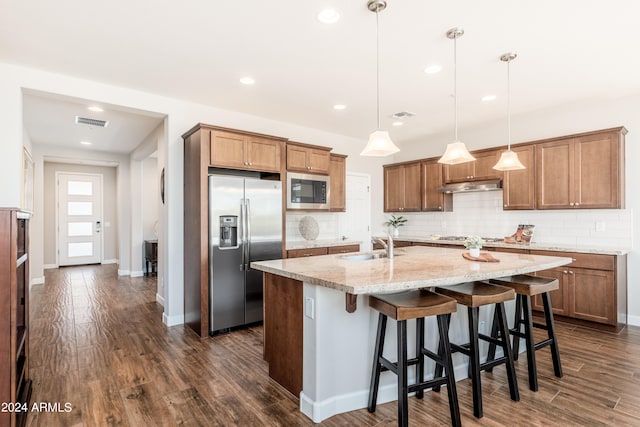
(98, 342)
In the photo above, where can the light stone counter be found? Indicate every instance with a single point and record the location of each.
(412, 268)
(558, 247)
(337, 346)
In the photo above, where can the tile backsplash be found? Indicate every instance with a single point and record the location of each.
(482, 214)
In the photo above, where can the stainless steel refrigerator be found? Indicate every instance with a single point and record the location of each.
(245, 225)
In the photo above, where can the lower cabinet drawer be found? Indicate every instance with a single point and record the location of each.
(298, 253)
(343, 249)
(580, 260)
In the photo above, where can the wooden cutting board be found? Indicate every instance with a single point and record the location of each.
(484, 257)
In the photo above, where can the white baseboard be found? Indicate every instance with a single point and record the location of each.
(177, 319)
(36, 281)
(633, 320)
(123, 272)
(110, 261)
(137, 273)
(160, 299)
(49, 266)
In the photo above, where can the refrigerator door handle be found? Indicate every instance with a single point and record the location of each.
(247, 211)
(242, 234)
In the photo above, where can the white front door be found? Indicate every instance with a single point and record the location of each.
(79, 218)
(355, 224)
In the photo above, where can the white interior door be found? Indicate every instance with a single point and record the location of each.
(355, 224)
(79, 218)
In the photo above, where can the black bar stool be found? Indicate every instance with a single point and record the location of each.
(473, 295)
(401, 307)
(525, 287)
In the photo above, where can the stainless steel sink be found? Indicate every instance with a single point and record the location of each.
(365, 257)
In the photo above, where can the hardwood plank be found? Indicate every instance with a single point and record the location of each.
(145, 406)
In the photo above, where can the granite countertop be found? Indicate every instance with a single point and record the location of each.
(412, 268)
(306, 244)
(532, 246)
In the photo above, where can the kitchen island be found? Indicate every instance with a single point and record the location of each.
(322, 350)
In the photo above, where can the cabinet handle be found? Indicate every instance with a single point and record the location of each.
(573, 259)
(306, 254)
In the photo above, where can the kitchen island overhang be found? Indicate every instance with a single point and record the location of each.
(313, 336)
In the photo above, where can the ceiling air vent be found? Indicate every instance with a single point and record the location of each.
(91, 122)
(403, 115)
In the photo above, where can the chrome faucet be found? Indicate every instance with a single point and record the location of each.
(388, 245)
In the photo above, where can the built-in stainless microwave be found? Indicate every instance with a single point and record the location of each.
(306, 191)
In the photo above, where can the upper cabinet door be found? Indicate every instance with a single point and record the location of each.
(597, 172)
(555, 171)
(519, 185)
(432, 179)
(338, 177)
(461, 172)
(228, 150)
(483, 166)
(394, 188)
(307, 158)
(412, 187)
(263, 154)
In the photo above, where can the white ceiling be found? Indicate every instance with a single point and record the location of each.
(569, 50)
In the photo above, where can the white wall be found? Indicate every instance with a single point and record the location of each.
(576, 226)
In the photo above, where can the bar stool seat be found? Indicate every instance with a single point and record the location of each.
(527, 286)
(402, 307)
(474, 295)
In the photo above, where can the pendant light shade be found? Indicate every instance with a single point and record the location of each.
(456, 152)
(509, 159)
(379, 143)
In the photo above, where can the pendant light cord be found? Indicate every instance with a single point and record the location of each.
(378, 68)
(455, 87)
(509, 105)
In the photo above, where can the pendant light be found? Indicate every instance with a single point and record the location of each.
(456, 152)
(509, 159)
(379, 143)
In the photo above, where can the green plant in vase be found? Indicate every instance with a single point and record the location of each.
(474, 244)
(395, 222)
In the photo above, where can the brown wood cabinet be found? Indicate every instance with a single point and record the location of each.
(519, 185)
(338, 178)
(236, 150)
(480, 169)
(432, 179)
(325, 250)
(583, 171)
(15, 386)
(307, 158)
(205, 146)
(593, 288)
(402, 191)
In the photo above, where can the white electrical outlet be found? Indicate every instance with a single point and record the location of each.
(309, 307)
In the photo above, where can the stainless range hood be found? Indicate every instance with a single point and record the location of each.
(467, 187)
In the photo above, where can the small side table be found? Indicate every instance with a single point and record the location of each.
(151, 257)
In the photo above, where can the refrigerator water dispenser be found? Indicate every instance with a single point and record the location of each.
(228, 231)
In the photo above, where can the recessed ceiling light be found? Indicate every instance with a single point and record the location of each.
(488, 98)
(329, 16)
(397, 124)
(432, 69)
(247, 81)
(95, 108)
(85, 142)
(339, 107)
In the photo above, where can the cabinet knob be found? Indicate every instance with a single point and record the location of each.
(439, 207)
(306, 254)
(250, 163)
(565, 272)
(246, 164)
(570, 272)
(571, 204)
(505, 206)
(577, 204)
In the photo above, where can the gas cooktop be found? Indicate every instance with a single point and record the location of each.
(462, 238)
